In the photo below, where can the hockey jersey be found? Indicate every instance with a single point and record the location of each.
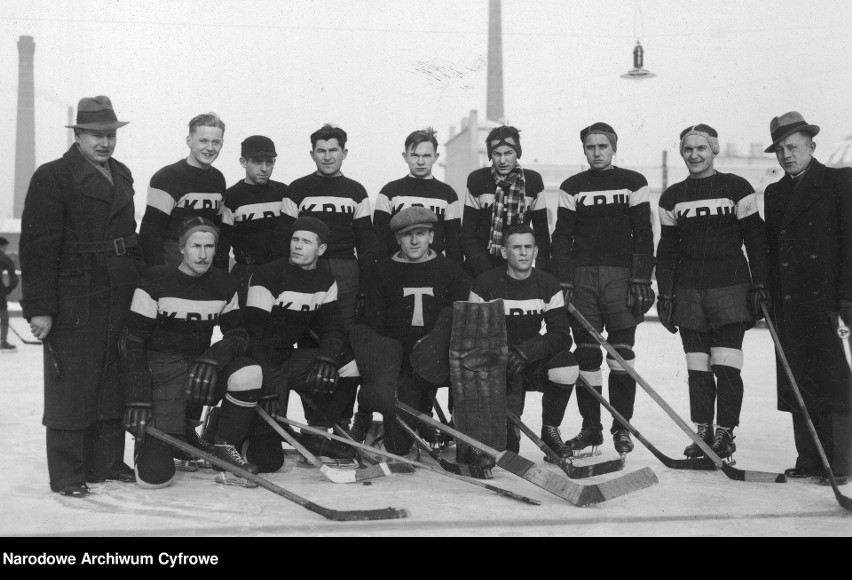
(432, 194)
(177, 192)
(704, 224)
(284, 303)
(404, 299)
(256, 221)
(603, 218)
(527, 304)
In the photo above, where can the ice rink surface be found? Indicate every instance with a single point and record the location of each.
(683, 503)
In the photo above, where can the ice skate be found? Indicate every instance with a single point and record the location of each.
(592, 438)
(360, 425)
(6, 348)
(229, 453)
(706, 433)
(622, 442)
(228, 478)
(553, 439)
(723, 444)
(322, 447)
(201, 443)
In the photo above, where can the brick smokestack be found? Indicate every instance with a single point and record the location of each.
(25, 142)
(494, 109)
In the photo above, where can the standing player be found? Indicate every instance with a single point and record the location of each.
(405, 297)
(603, 255)
(190, 187)
(499, 197)
(288, 299)
(343, 205)
(257, 213)
(168, 358)
(7, 265)
(542, 362)
(420, 188)
(706, 285)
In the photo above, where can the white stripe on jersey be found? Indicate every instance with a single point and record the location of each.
(201, 201)
(288, 207)
(523, 307)
(471, 200)
(747, 206)
(232, 305)
(606, 197)
(364, 209)
(567, 201)
(383, 204)
(557, 301)
(454, 211)
(184, 309)
(326, 203)
(227, 216)
(302, 301)
(143, 304)
(161, 200)
(641, 195)
(438, 206)
(258, 211)
(705, 207)
(483, 201)
(259, 297)
(667, 217)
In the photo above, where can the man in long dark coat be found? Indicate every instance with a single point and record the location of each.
(809, 225)
(80, 263)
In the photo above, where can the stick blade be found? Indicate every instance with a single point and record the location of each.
(366, 515)
(544, 478)
(753, 476)
(575, 471)
(627, 483)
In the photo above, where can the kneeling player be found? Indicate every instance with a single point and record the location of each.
(537, 362)
(168, 360)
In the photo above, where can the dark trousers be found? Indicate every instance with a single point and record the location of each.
(414, 392)
(4, 324)
(835, 434)
(77, 456)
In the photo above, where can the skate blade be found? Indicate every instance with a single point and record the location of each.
(203, 464)
(583, 454)
(188, 465)
(228, 478)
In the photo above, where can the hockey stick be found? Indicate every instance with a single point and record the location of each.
(443, 417)
(571, 470)
(731, 472)
(695, 464)
(24, 340)
(844, 501)
(333, 475)
(472, 471)
(845, 336)
(335, 515)
(410, 462)
(574, 493)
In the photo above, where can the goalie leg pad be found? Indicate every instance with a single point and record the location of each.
(153, 464)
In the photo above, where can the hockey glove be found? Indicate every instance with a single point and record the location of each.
(137, 402)
(200, 384)
(360, 302)
(515, 363)
(640, 296)
(568, 292)
(322, 379)
(756, 296)
(666, 308)
(269, 403)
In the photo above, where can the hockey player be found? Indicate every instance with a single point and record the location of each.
(420, 188)
(187, 188)
(406, 295)
(499, 197)
(168, 359)
(258, 213)
(289, 299)
(603, 255)
(537, 362)
(7, 265)
(342, 203)
(707, 288)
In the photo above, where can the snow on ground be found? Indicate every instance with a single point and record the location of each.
(683, 503)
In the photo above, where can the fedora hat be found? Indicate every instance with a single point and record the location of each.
(96, 114)
(782, 127)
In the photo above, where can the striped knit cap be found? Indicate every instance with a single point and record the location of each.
(702, 130)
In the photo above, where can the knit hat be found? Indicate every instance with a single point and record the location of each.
(257, 146)
(412, 217)
(196, 224)
(782, 127)
(312, 224)
(601, 129)
(702, 130)
(500, 134)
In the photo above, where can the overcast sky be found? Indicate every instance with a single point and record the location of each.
(382, 68)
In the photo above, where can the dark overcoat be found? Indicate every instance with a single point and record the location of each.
(810, 244)
(88, 294)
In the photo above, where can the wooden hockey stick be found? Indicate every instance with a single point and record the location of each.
(24, 340)
(355, 444)
(335, 515)
(472, 471)
(731, 472)
(566, 465)
(844, 501)
(574, 493)
(331, 473)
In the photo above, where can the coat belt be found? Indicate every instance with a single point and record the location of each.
(117, 247)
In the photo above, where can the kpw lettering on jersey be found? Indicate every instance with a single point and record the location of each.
(189, 310)
(328, 204)
(437, 206)
(532, 307)
(705, 208)
(418, 293)
(201, 201)
(301, 301)
(258, 211)
(593, 198)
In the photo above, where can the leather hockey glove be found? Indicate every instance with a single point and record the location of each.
(665, 308)
(640, 296)
(515, 362)
(568, 292)
(360, 303)
(758, 295)
(200, 384)
(269, 403)
(323, 377)
(137, 402)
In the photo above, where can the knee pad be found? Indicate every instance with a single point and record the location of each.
(154, 466)
(564, 377)
(698, 362)
(589, 357)
(727, 357)
(248, 378)
(594, 378)
(626, 353)
(264, 450)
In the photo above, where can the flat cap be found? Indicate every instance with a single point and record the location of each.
(412, 217)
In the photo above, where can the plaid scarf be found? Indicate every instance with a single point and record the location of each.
(511, 205)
